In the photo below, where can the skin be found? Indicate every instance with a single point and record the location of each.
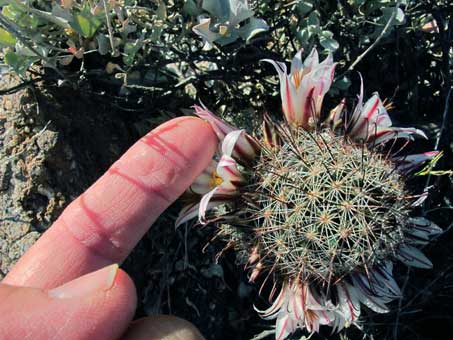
(99, 228)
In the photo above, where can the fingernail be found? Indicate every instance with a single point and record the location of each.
(175, 331)
(162, 327)
(98, 281)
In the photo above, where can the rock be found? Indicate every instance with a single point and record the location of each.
(53, 145)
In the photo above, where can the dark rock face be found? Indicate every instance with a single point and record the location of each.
(53, 146)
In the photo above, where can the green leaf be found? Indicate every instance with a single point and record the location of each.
(329, 44)
(19, 63)
(190, 7)
(103, 44)
(304, 35)
(6, 38)
(326, 34)
(85, 23)
(233, 11)
(327, 41)
(161, 11)
(399, 18)
(305, 7)
(356, 3)
(24, 50)
(251, 29)
(12, 12)
(217, 8)
(130, 50)
(156, 33)
(313, 18)
(20, 18)
(343, 83)
(61, 12)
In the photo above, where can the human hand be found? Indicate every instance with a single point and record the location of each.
(67, 286)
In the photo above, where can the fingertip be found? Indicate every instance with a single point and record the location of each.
(106, 222)
(102, 311)
(186, 128)
(126, 294)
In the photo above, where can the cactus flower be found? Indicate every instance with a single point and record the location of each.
(303, 89)
(319, 211)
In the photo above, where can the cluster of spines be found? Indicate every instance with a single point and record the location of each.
(320, 207)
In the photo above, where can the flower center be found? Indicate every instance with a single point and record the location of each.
(216, 180)
(297, 78)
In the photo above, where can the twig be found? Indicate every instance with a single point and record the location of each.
(444, 119)
(373, 45)
(445, 58)
(429, 285)
(400, 303)
(19, 87)
(109, 27)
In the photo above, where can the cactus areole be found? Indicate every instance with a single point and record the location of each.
(318, 208)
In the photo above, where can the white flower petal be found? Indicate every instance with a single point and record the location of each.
(374, 303)
(382, 277)
(349, 303)
(283, 327)
(409, 163)
(223, 191)
(203, 183)
(297, 65)
(369, 119)
(385, 134)
(286, 89)
(413, 257)
(271, 312)
(311, 61)
(424, 225)
(239, 145)
(228, 170)
(187, 213)
(335, 117)
(218, 125)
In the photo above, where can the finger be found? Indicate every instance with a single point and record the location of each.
(162, 327)
(99, 305)
(104, 224)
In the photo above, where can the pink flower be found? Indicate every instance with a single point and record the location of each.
(303, 89)
(370, 123)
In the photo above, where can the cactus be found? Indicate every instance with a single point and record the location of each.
(322, 205)
(325, 207)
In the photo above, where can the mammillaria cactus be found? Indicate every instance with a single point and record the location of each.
(320, 206)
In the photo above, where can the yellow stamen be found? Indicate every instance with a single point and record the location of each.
(223, 30)
(297, 78)
(388, 105)
(69, 31)
(216, 180)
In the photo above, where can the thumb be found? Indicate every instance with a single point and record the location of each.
(99, 305)
(162, 327)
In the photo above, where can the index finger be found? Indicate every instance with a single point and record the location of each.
(104, 223)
